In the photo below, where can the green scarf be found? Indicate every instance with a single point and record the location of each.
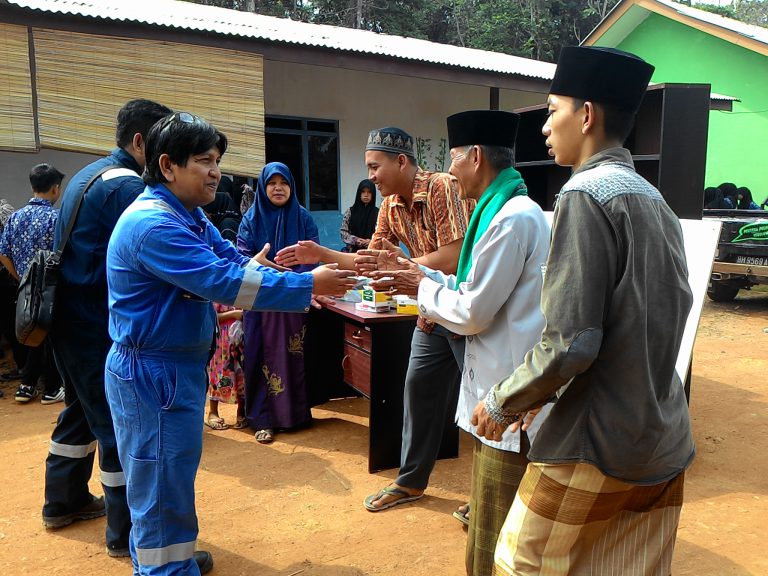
(507, 184)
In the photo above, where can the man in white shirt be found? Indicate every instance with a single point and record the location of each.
(494, 300)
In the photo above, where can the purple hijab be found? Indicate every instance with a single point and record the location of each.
(280, 226)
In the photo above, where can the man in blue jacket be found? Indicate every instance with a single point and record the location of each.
(166, 263)
(80, 338)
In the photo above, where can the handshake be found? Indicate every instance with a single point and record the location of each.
(389, 268)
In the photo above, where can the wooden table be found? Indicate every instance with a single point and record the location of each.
(369, 352)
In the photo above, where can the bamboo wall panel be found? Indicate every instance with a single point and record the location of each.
(17, 121)
(83, 80)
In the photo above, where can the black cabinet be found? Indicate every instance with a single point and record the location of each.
(668, 145)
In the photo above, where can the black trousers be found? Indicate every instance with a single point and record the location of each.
(42, 366)
(81, 350)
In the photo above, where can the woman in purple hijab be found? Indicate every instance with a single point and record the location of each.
(275, 388)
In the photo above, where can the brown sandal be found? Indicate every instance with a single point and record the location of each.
(216, 423)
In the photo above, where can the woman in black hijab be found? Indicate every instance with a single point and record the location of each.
(223, 214)
(359, 221)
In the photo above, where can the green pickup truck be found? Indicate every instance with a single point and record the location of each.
(741, 259)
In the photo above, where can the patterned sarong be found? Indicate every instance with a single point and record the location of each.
(496, 474)
(574, 520)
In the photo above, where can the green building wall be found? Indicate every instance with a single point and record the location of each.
(737, 149)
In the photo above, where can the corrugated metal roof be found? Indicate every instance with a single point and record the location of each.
(190, 16)
(748, 30)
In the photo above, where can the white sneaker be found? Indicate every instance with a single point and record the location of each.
(53, 398)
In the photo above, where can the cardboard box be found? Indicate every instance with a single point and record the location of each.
(371, 296)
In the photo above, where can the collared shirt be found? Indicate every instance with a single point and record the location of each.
(497, 308)
(165, 267)
(616, 299)
(28, 230)
(436, 217)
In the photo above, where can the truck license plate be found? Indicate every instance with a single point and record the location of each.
(751, 260)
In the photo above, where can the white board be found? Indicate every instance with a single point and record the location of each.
(700, 237)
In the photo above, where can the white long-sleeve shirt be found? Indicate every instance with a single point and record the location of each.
(497, 308)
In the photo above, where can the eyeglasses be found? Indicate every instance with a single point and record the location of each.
(184, 117)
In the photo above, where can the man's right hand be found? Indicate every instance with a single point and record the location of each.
(303, 252)
(370, 260)
(329, 281)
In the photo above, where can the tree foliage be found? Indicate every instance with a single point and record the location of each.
(530, 28)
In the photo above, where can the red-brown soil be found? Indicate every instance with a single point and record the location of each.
(295, 507)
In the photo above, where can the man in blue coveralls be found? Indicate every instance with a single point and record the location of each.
(165, 264)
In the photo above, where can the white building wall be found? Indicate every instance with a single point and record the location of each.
(362, 101)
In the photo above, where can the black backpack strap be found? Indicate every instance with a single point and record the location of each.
(71, 223)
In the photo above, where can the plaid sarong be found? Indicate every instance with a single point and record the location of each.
(572, 520)
(496, 474)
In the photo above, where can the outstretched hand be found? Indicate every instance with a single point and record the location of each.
(370, 260)
(303, 252)
(329, 281)
(406, 280)
(261, 258)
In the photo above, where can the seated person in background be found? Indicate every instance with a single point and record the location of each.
(728, 190)
(713, 199)
(165, 265)
(275, 387)
(744, 198)
(359, 221)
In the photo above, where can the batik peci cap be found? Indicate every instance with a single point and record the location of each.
(391, 139)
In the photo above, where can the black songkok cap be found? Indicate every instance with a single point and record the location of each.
(602, 75)
(391, 139)
(483, 127)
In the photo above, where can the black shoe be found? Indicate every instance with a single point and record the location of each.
(53, 397)
(25, 393)
(12, 375)
(94, 509)
(204, 561)
(119, 552)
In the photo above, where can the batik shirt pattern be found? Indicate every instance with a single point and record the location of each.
(28, 230)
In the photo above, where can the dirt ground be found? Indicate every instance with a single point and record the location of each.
(295, 507)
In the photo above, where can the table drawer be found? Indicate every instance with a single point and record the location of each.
(357, 369)
(358, 336)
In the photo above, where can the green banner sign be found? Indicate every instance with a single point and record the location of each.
(754, 232)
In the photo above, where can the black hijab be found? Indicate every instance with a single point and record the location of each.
(746, 198)
(223, 214)
(362, 219)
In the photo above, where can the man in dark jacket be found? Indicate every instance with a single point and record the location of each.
(80, 335)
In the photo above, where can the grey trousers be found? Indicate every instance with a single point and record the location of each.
(430, 395)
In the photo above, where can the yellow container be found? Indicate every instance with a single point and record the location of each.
(408, 306)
